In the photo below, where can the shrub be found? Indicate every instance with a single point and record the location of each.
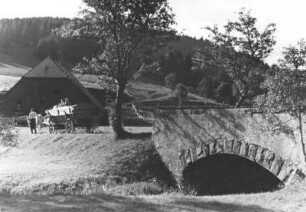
(171, 81)
(139, 188)
(8, 134)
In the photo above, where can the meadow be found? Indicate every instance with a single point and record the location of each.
(6, 82)
(91, 172)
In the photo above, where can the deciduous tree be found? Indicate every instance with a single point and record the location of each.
(294, 57)
(240, 50)
(285, 94)
(126, 30)
(286, 87)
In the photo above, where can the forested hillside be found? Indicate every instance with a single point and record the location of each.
(178, 65)
(27, 41)
(27, 31)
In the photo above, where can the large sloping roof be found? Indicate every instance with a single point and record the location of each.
(49, 69)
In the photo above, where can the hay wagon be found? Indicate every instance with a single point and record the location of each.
(70, 117)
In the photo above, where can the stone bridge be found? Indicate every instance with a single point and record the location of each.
(184, 138)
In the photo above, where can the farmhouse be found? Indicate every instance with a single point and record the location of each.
(42, 88)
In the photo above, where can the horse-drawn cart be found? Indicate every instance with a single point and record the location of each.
(70, 117)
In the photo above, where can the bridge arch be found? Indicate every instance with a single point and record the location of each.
(228, 174)
(280, 168)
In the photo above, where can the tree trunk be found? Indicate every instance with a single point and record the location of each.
(239, 102)
(301, 133)
(115, 116)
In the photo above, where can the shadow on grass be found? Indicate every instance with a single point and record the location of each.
(130, 135)
(107, 202)
(198, 205)
(140, 136)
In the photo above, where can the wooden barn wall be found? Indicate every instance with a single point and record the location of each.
(40, 94)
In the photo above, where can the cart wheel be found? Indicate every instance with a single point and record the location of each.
(69, 126)
(94, 129)
(89, 129)
(51, 129)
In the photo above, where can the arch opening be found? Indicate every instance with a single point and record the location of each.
(229, 174)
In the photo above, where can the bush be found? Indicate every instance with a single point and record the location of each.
(140, 188)
(8, 134)
(171, 81)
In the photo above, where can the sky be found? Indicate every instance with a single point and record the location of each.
(39, 8)
(288, 15)
(191, 15)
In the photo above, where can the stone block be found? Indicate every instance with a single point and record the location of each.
(206, 150)
(228, 146)
(285, 172)
(193, 153)
(213, 147)
(182, 158)
(244, 149)
(219, 146)
(188, 158)
(277, 165)
(252, 151)
(200, 151)
(269, 158)
(260, 156)
(236, 147)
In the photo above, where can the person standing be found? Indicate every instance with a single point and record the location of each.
(32, 118)
(67, 102)
(40, 120)
(62, 103)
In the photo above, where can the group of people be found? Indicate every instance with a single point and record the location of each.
(63, 102)
(35, 119)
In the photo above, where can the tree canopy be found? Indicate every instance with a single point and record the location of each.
(241, 50)
(127, 31)
(285, 88)
(294, 57)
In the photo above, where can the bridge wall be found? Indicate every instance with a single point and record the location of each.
(184, 136)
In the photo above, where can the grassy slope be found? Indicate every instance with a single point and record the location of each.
(14, 70)
(10, 72)
(17, 61)
(6, 82)
(15, 54)
(75, 163)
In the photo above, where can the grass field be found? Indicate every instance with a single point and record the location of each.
(13, 69)
(90, 172)
(68, 163)
(6, 82)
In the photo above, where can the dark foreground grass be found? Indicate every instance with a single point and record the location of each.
(109, 202)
